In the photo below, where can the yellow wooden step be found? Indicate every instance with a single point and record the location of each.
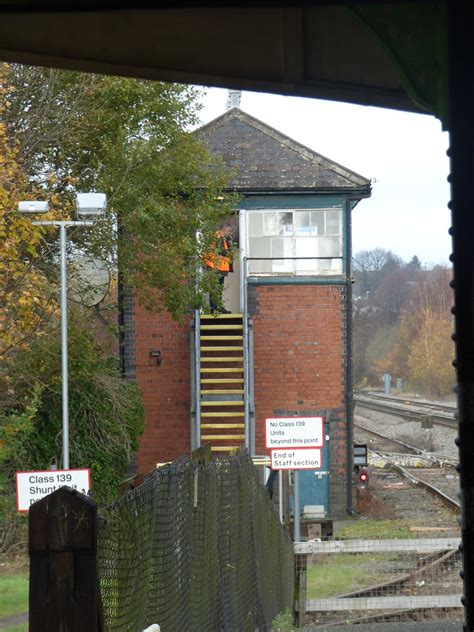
(220, 327)
(222, 437)
(219, 316)
(219, 403)
(237, 369)
(203, 348)
(215, 426)
(225, 448)
(223, 381)
(233, 391)
(230, 359)
(222, 414)
(221, 337)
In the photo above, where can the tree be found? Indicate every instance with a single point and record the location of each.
(422, 350)
(130, 139)
(430, 356)
(370, 266)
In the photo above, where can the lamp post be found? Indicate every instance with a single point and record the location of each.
(90, 205)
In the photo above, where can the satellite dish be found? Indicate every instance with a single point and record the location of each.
(89, 280)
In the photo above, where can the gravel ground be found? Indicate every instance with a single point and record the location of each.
(389, 496)
(439, 439)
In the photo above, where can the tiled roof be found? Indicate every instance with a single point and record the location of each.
(261, 158)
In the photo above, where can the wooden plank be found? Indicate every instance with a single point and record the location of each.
(382, 603)
(231, 348)
(225, 448)
(220, 327)
(216, 426)
(221, 337)
(223, 414)
(220, 316)
(233, 391)
(222, 381)
(224, 437)
(377, 546)
(229, 359)
(219, 403)
(219, 369)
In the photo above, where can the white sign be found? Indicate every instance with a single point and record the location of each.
(294, 432)
(32, 486)
(300, 459)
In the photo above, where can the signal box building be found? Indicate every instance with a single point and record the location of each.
(284, 348)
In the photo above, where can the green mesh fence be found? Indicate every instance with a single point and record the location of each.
(195, 548)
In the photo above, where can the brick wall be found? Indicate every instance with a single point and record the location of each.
(165, 388)
(300, 365)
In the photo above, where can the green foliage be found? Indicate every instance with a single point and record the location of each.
(106, 413)
(375, 529)
(283, 622)
(130, 139)
(343, 573)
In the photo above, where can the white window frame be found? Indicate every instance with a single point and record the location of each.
(337, 264)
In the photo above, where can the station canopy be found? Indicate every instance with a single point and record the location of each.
(389, 54)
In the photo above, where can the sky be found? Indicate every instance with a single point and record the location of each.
(403, 153)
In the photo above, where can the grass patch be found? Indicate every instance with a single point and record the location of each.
(13, 595)
(375, 529)
(22, 627)
(340, 573)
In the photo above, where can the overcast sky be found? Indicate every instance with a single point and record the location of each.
(405, 155)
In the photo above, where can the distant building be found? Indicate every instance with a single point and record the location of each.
(284, 350)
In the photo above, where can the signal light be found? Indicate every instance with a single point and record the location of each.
(363, 477)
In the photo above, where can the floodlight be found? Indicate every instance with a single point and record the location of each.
(91, 203)
(33, 206)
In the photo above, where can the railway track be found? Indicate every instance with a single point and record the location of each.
(404, 469)
(412, 460)
(408, 408)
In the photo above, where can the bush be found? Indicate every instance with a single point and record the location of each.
(105, 411)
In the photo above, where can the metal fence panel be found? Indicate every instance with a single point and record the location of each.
(195, 547)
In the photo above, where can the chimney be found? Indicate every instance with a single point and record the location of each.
(233, 99)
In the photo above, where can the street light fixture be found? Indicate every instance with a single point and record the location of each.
(91, 205)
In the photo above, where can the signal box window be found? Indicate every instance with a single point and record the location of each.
(306, 242)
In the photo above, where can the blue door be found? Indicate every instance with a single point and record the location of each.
(314, 484)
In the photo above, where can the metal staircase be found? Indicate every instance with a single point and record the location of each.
(220, 385)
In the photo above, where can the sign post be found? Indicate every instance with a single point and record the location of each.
(32, 486)
(295, 444)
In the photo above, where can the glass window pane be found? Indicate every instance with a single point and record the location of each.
(282, 247)
(286, 223)
(259, 247)
(255, 224)
(302, 223)
(271, 223)
(324, 266)
(306, 247)
(277, 247)
(317, 222)
(333, 222)
(330, 246)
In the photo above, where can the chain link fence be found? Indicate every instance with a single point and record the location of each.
(195, 547)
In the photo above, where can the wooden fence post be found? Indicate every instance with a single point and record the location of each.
(64, 587)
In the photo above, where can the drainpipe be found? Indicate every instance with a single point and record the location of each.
(349, 385)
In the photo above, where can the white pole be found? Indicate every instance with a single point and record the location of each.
(280, 495)
(64, 367)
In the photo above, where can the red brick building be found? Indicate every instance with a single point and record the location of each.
(284, 350)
